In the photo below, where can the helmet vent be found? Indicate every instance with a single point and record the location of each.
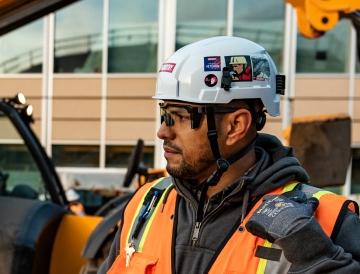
(280, 84)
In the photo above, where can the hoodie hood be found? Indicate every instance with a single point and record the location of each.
(276, 166)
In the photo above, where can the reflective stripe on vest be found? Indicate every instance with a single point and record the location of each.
(239, 255)
(327, 219)
(264, 266)
(159, 229)
(162, 185)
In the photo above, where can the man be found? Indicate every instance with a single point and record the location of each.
(236, 201)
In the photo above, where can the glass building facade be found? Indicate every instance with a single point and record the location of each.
(78, 38)
(21, 50)
(193, 24)
(93, 96)
(263, 23)
(133, 36)
(326, 54)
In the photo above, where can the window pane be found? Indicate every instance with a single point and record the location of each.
(21, 50)
(133, 36)
(199, 20)
(263, 23)
(118, 156)
(75, 155)
(19, 174)
(78, 37)
(325, 54)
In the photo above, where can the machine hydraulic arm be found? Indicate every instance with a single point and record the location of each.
(315, 17)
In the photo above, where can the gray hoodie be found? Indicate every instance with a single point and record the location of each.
(308, 249)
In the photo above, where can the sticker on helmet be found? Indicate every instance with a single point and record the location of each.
(261, 68)
(212, 63)
(167, 67)
(240, 67)
(210, 80)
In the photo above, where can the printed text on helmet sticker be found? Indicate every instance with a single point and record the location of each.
(167, 67)
(212, 63)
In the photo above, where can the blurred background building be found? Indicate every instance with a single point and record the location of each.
(89, 70)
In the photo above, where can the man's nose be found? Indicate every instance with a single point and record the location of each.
(165, 132)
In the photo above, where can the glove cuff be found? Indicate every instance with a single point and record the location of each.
(307, 245)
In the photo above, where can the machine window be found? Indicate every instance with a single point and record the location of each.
(19, 174)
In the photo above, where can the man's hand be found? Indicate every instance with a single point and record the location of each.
(279, 215)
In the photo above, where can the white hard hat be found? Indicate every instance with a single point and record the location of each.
(196, 74)
(72, 195)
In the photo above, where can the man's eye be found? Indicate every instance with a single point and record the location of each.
(181, 117)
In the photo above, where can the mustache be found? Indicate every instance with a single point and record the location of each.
(172, 146)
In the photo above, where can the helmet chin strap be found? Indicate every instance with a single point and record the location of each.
(222, 164)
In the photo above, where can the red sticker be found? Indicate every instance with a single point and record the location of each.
(167, 67)
(211, 80)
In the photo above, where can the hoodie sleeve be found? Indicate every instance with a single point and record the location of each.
(309, 250)
(114, 252)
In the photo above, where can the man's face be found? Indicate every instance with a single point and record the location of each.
(238, 68)
(187, 150)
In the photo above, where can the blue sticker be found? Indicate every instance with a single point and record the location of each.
(212, 63)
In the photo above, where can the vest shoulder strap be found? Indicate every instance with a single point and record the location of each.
(332, 208)
(150, 202)
(329, 214)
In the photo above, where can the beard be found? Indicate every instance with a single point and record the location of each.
(195, 167)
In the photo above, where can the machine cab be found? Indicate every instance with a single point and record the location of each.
(29, 214)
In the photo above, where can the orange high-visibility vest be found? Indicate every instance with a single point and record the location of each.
(154, 247)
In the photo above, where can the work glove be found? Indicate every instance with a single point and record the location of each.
(279, 215)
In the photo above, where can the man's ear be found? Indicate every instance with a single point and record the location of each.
(239, 123)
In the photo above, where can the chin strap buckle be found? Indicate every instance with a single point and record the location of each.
(222, 166)
(226, 78)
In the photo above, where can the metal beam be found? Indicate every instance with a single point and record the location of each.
(166, 47)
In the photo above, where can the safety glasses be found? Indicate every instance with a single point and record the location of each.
(166, 117)
(173, 114)
(180, 115)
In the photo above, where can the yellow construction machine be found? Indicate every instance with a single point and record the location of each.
(315, 17)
